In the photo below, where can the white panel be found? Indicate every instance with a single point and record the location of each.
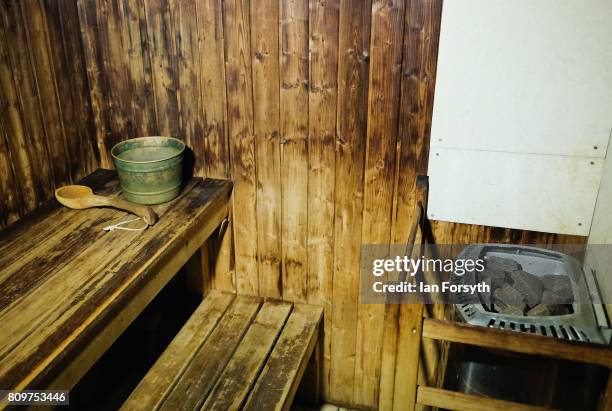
(537, 192)
(528, 76)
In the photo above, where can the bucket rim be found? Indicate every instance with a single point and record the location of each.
(145, 138)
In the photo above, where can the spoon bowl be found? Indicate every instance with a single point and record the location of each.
(74, 196)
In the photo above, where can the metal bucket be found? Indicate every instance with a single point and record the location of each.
(149, 168)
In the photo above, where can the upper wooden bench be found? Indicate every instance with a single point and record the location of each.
(68, 289)
(235, 352)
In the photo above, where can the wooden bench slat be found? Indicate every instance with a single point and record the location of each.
(241, 372)
(160, 380)
(230, 355)
(278, 381)
(451, 400)
(12, 239)
(207, 365)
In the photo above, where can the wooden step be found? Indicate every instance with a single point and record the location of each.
(234, 352)
(278, 382)
(164, 375)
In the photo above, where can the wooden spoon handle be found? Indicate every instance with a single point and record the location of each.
(143, 211)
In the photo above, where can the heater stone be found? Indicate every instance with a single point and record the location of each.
(560, 286)
(511, 309)
(550, 297)
(503, 264)
(543, 310)
(508, 295)
(528, 285)
(493, 277)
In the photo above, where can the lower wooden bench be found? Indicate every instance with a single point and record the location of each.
(235, 352)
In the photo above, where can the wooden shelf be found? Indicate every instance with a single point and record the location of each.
(451, 400)
(517, 342)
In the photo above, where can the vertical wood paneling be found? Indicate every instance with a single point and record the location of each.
(45, 81)
(187, 60)
(139, 73)
(383, 99)
(64, 46)
(294, 147)
(10, 201)
(213, 92)
(42, 124)
(417, 90)
(95, 74)
(319, 111)
(117, 93)
(211, 145)
(353, 68)
(266, 95)
(420, 40)
(162, 49)
(14, 134)
(29, 142)
(236, 29)
(322, 103)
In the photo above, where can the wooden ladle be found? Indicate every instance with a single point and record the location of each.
(80, 197)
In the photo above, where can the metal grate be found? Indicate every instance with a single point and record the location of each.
(582, 324)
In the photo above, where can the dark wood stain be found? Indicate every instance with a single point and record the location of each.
(44, 100)
(252, 358)
(78, 76)
(33, 274)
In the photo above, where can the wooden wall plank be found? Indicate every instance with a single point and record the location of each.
(76, 72)
(236, 29)
(199, 46)
(10, 195)
(72, 88)
(294, 147)
(211, 145)
(187, 48)
(134, 33)
(15, 200)
(69, 121)
(419, 41)
(95, 74)
(353, 68)
(266, 96)
(43, 67)
(322, 136)
(212, 148)
(389, 351)
(383, 99)
(162, 50)
(215, 161)
(29, 144)
(417, 91)
(117, 93)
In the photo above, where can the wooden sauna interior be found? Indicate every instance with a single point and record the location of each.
(319, 111)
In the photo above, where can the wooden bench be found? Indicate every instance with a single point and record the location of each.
(235, 352)
(68, 288)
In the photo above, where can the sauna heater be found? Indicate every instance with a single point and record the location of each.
(583, 320)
